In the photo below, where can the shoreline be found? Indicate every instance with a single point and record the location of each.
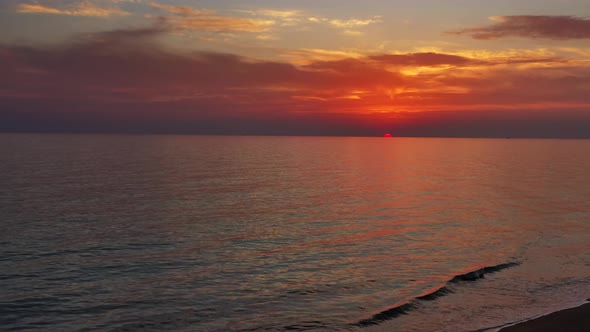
(575, 319)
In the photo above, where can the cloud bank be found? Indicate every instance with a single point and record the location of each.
(188, 18)
(80, 9)
(529, 26)
(124, 81)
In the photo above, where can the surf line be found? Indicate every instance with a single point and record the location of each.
(406, 307)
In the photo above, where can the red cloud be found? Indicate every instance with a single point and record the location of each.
(123, 81)
(422, 59)
(529, 26)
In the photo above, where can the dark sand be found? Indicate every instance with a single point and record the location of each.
(569, 320)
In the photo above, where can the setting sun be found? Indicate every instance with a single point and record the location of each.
(296, 68)
(295, 165)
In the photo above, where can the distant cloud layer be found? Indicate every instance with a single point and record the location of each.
(80, 9)
(217, 67)
(188, 18)
(182, 17)
(422, 59)
(123, 80)
(529, 26)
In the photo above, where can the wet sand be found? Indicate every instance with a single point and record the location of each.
(571, 320)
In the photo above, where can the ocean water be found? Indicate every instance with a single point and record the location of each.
(190, 233)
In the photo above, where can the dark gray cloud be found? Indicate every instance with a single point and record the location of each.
(422, 59)
(531, 26)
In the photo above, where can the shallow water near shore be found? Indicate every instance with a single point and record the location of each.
(190, 233)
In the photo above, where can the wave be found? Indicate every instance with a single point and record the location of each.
(478, 274)
(405, 308)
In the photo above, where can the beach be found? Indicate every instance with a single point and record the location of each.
(574, 320)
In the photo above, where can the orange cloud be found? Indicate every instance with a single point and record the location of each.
(353, 23)
(124, 74)
(282, 17)
(81, 9)
(297, 17)
(188, 18)
(529, 26)
(221, 24)
(181, 10)
(422, 59)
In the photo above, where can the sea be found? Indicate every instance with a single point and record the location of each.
(246, 233)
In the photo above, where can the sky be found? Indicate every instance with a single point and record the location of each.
(455, 68)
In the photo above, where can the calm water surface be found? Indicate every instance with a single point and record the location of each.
(142, 233)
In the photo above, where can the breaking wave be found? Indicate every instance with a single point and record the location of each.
(406, 307)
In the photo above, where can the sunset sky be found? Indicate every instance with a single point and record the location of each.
(470, 68)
